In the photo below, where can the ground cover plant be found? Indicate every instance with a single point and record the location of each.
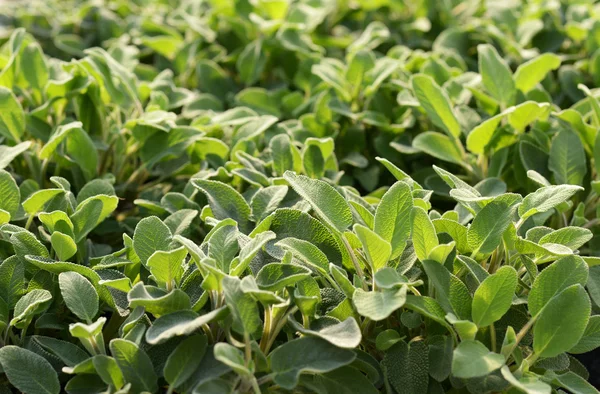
(299, 196)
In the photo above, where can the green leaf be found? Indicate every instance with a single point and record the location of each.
(12, 117)
(519, 117)
(63, 245)
(378, 305)
(36, 201)
(591, 337)
(4, 217)
(575, 383)
(306, 355)
(481, 135)
(9, 153)
(109, 371)
(91, 212)
(166, 45)
(472, 359)
(455, 230)
(12, 280)
(184, 360)
(562, 322)
(233, 358)
(427, 307)
(344, 334)
(467, 330)
(151, 235)
(346, 380)
(267, 200)
(243, 308)
(225, 202)
(167, 266)
(393, 169)
(276, 276)
(135, 365)
(67, 352)
(251, 62)
(567, 158)
(377, 250)
(79, 295)
(25, 243)
(180, 323)
(35, 70)
(532, 72)
(407, 367)
(496, 75)
(180, 221)
(389, 278)
(571, 237)
(329, 205)
(526, 113)
(436, 104)
(358, 64)
(250, 250)
(287, 222)
(392, 217)
(281, 154)
(386, 339)
(485, 233)
(439, 146)
(28, 372)
(33, 303)
(313, 161)
(493, 297)
(440, 357)
(558, 276)
(306, 252)
(57, 267)
(81, 330)
(156, 300)
(79, 146)
(11, 195)
(424, 237)
(529, 385)
(546, 198)
(451, 292)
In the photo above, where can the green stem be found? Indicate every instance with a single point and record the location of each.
(532, 358)
(29, 221)
(247, 349)
(278, 328)
(255, 386)
(266, 329)
(209, 333)
(357, 266)
(265, 379)
(331, 281)
(493, 337)
(522, 334)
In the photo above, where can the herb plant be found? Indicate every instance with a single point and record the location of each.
(299, 196)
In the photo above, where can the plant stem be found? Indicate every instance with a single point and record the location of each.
(209, 333)
(247, 348)
(255, 386)
(357, 267)
(522, 333)
(266, 329)
(278, 328)
(493, 337)
(29, 221)
(265, 379)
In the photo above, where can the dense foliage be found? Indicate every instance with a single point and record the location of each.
(307, 196)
